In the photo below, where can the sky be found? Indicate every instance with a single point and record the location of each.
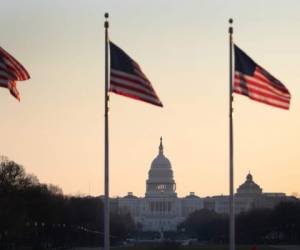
(57, 130)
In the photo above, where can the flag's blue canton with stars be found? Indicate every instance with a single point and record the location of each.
(255, 82)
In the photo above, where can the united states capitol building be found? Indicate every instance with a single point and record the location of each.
(162, 210)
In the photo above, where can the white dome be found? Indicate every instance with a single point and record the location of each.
(160, 176)
(161, 169)
(161, 162)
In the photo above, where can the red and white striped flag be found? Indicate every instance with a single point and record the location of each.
(127, 78)
(10, 72)
(255, 82)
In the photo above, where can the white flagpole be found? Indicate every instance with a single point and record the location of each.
(106, 149)
(231, 184)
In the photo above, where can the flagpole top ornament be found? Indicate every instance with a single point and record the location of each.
(106, 15)
(230, 27)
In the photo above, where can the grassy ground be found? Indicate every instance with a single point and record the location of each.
(202, 247)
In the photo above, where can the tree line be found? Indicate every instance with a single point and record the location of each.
(258, 226)
(40, 216)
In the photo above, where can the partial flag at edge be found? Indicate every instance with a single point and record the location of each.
(10, 72)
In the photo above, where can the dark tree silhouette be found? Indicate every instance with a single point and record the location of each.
(206, 225)
(278, 225)
(39, 215)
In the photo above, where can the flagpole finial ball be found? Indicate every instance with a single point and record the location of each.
(106, 15)
(230, 20)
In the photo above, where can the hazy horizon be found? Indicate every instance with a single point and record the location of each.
(56, 131)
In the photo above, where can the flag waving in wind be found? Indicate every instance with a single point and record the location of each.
(127, 78)
(255, 82)
(10, 72)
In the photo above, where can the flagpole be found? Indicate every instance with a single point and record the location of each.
(106, 149)
(231, 189)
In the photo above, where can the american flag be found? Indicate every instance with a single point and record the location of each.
(10, 72)
(255, 82)
(127, 78)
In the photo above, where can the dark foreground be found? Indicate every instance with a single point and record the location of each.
(201, 247)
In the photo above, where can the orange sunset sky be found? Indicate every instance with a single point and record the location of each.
(56, 132)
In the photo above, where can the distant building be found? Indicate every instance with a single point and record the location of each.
(249, 196)
(162, 210)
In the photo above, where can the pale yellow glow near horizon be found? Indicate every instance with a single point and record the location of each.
(56, 132)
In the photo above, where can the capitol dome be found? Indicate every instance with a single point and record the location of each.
(161, 161)
(160, 176)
